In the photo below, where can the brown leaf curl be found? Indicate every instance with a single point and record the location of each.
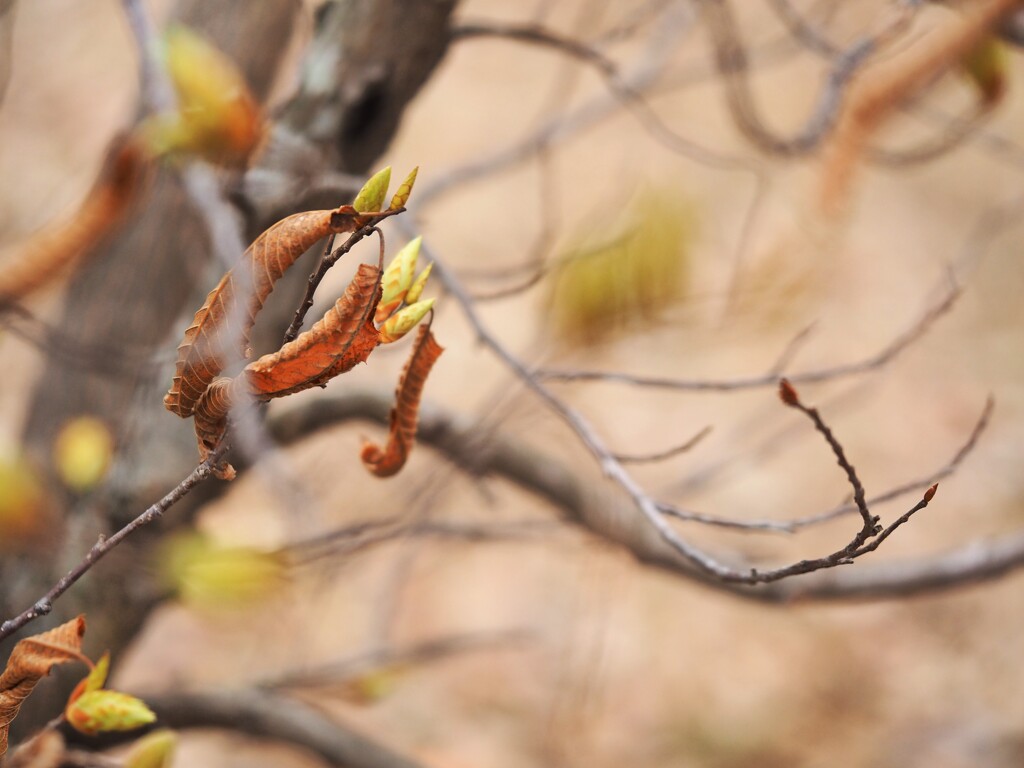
(215, 331)
(405, 414)
(339, 341)
(30, 661)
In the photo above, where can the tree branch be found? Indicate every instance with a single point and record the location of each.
(105, 544)
(266, 715)
(613, 518)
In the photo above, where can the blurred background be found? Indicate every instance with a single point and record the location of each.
(592, 238)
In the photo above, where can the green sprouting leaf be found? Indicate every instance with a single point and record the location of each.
(98, 674)
(404, 320)
(102, 710)
(371, 196)
(404, 190)
(397, 279)
(154, 750)
(416, 289)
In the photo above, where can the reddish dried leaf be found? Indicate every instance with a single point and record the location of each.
(218, 328)
(55, 250)
(30, 661)
(405, 414)
(342, 339)
(211, 421)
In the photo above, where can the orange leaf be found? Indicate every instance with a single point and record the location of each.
(30, 661)
(217, 328)
(405, 414)
(55, 250)
(342, 339)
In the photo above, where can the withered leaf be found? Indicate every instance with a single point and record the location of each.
(339, 341)
(30, 661)
(405, 414)
(217, 328)
(342, 339)
(55, 250)
(211, 421)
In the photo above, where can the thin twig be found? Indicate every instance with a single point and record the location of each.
(105, 544)
(883, 357)
(592, 508)
(668, 453)
(437, 649)
(328, 260)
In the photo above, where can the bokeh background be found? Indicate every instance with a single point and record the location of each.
(613, 663)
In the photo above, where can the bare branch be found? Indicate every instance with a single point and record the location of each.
(731, 59)
(613, 519)
(266, 715)
(419, 654)
(105, 544)
(883, 357)
(668, 453)
(632, 99)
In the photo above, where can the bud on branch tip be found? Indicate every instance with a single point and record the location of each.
(930, 493)
(787, 393)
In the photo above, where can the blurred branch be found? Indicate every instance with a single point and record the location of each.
(646, 69)
(630, 98)
(419, 654)
(613, 519)
(880, 359)
(266, 715)
(890, 84)
(734, 69)
(797, 524)
(360, 537)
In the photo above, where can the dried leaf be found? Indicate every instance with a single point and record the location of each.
(211, 414)
(30, 661)
(103, 710)
(55, 250)
(217, 328)
(371, 196)
(404, 321)
(404, 416)
(342, 339)
(401, 196)
(398, 279)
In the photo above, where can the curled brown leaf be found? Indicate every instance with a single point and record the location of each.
(30, 661)
(404, 416)
(217, 329)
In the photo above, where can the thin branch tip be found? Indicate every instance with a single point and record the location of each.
(787, 394)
